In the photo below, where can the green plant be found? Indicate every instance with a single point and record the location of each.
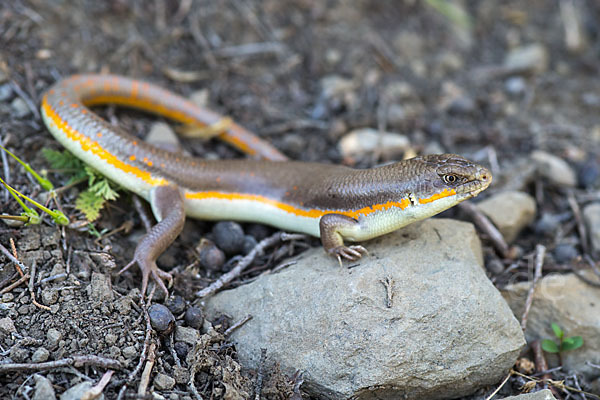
(29, 215)
(564, 343)
(99, 190)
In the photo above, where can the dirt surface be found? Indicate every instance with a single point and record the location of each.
(302, 74)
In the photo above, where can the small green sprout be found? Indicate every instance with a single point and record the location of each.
(44, 183)
(565, 343)
(99, 190)
(30, 216)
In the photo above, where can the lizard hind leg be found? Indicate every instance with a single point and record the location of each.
(167, 206)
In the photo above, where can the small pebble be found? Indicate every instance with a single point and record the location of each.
(186, 335)
(515, 86)
(495, 266)
(194, 317)
(361, 142)
(259, 231)
(565, 252)
(43, 388)
(162, 135)
(40, 355)
(532, 58)
(510, 211)
(556, 170)
(7, 326)
(181, 349)
(78, 391)
(462, 105)
(163, 382)
(591, 217)
(20, 108)
(547, 224)
(6, 92)
(249, 244)
(210, 256)
(161, 319)
(53, 336)
(588, 174)
(110, 339)
(229, 237)
(590, 99)
(130, 352)
(176, 304)
(49, 296)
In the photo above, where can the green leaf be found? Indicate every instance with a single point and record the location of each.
(550, 346)
(90, 204)
(557, 331)
(571, 343)
(103, 189)
(62, 159)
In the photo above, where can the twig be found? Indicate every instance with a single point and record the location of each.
(95, 391)
(12, 258)
(139, 207)
(488, 227)
(237, 325)
(30, 287)
(14, 252)
(246, 260)
(540, 251)
(499, 387)
(388, 283)
(75, 361)
(172, 350)
(14, 285)
(580, 224)
(145, 379)
(260, 377)
(25, 97)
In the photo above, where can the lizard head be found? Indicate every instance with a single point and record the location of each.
(450, 175)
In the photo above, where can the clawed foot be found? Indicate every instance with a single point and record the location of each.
(151, 270)
(350, 253)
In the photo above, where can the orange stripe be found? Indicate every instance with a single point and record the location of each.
(301, 212)
(141, 104)
(440, 195)
(94, 147)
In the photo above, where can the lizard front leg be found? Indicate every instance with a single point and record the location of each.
(167, 206)
(331, 227)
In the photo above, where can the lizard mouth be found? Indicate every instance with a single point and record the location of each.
(481, 180)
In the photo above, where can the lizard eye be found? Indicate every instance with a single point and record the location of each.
(450, 178)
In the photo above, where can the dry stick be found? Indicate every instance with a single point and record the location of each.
(580, 225)
(31, 292)
(147, 343)
(75, 361)
(540, 251)
(14, 285)
(261, 371)
(145, 379)
(499, 387)
(12, 258)
(488, 227)
(540, 362)
(237, 325)
(14, 252)
(246, 260)
(95, 391)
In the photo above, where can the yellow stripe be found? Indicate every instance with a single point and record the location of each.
(301, 212)
(93, 147)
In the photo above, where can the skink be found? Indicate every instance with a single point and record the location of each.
(333, 202)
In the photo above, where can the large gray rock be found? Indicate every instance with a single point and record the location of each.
(545, 394)
(573, 305)
(448, 330)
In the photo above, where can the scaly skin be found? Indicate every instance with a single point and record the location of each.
(333, 202)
